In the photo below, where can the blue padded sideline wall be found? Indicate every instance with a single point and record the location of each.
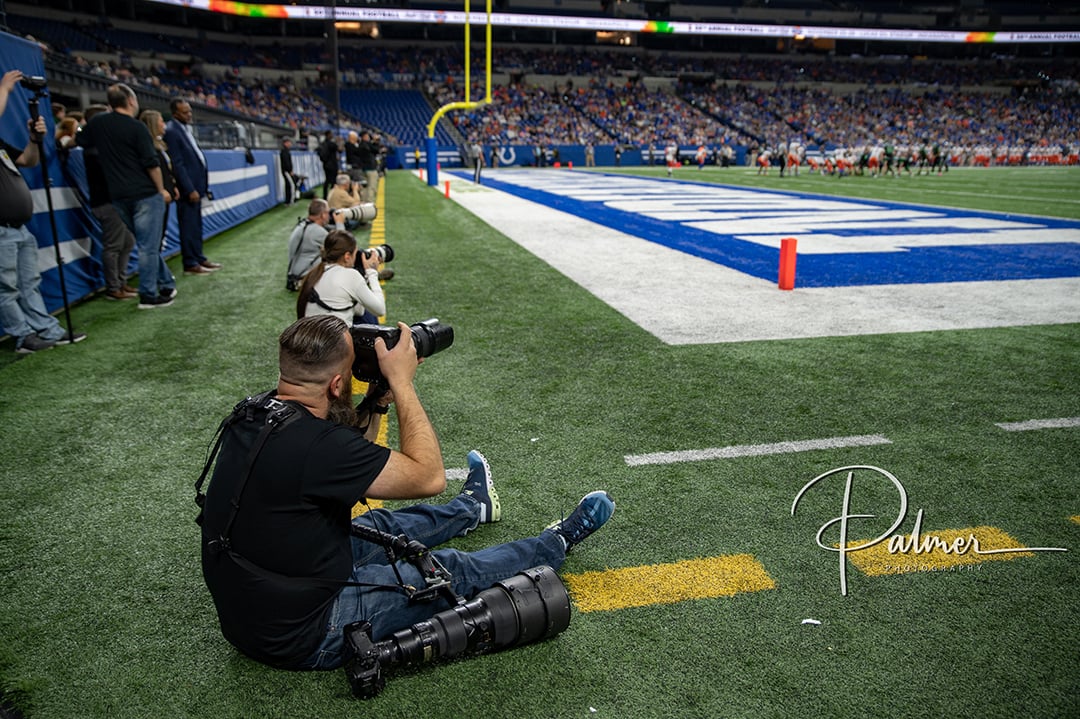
(241, 190)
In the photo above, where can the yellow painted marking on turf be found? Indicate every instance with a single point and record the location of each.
(378, 225)
(707, 578)
(878, 560)
(1075, 518)
(377, 237)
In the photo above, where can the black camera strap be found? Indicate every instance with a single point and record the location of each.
(299, 246)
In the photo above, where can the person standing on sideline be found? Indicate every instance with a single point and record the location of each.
(329, 157)
(117, 242)
(193, 179)
(476, 155)
(155, 123)
(130, 163)
(287, 171)
(368, 159)
(23, 314)
(353, 160)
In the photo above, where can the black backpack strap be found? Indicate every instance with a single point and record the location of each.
(244, 408)
(278, 416)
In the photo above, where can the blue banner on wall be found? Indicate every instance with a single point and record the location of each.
(564, 155)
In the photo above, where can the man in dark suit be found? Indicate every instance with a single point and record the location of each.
(189, 167)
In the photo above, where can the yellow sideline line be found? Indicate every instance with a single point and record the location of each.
(377, 237)
(706, 578)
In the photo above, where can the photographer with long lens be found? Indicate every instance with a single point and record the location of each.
(23, 314)
(279, 553)
(345, 194)
(306, 242)
(334, 287)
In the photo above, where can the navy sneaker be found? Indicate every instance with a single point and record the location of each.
(146, 302)
(594, 509)
(479, 486)
(71, 338)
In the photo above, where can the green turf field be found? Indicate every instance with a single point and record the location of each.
(104, 613)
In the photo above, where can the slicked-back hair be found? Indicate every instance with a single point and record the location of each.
(312, 349)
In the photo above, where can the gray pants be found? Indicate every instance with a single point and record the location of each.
(372, 188)
(116, 245)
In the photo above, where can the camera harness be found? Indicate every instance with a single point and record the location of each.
(280, 415)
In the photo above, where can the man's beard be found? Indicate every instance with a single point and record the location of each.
(341, 410)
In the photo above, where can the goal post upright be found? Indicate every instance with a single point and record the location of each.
(432, 146)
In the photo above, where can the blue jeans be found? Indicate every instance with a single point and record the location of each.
(144, 218)
(22, 308)
(389, 609)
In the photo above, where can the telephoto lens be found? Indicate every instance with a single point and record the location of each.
(529, 606)
(360, 213)
(384, 252)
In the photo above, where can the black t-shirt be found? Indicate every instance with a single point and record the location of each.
(126, 151)
(95, 178)
(328, 153)
(293, 520)
(17, 206)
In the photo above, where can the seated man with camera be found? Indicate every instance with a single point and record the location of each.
(286, 567)
(348, 210)
(306, 243)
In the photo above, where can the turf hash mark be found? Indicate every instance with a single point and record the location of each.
(1031, 424)
(753, 450)
(707, 578)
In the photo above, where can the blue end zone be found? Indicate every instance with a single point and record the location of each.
(915, 265)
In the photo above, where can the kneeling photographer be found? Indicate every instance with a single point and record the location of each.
(334, 287)
(288, 569)
(347, 208)
(306, 243)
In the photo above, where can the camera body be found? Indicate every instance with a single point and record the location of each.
(429, 337)
(35, 83)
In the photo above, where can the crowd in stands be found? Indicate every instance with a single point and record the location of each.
(997, 103)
